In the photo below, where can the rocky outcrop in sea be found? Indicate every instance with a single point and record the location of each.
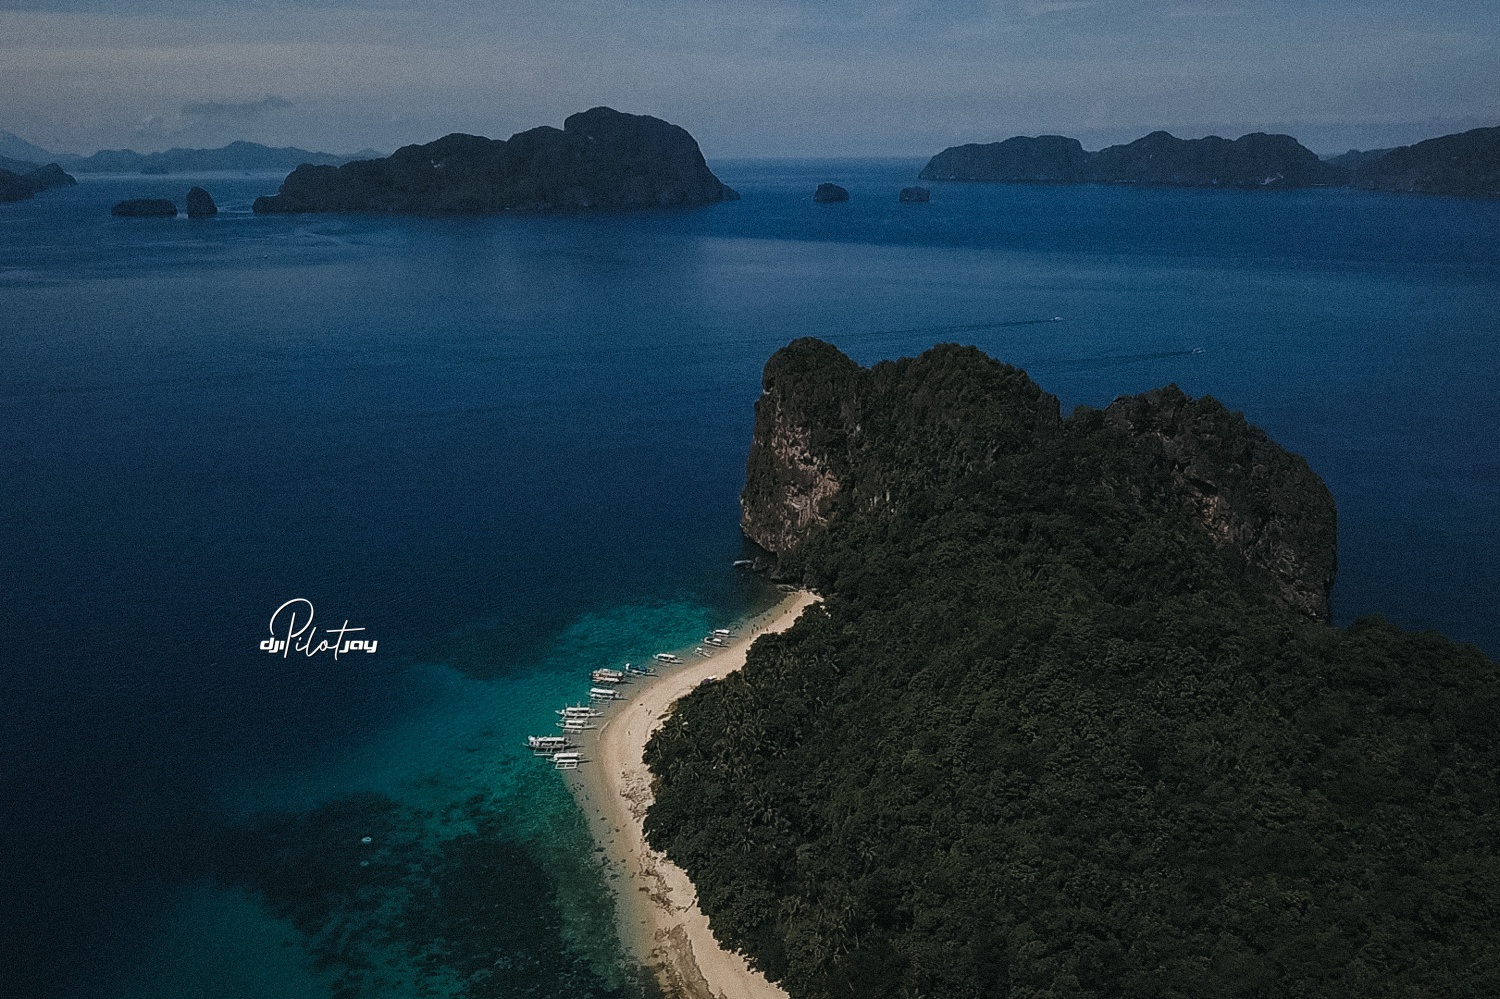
(829, 193)
(145, 208)
(600, 159)
(200, 204)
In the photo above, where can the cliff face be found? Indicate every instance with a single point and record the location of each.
(833, 439)
(599, 159)
(1159, 159)
(803, 419)
(1252, 497)
(830, 434)
(1464, 164)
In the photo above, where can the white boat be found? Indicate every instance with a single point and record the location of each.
(575, 725)
(715, 640)
(666, 657)
(607, 676)
(578, 711)
(701, 652)
(546, 744)
(602, 694)
(566, 761)
(723, 632)
(637, 671)
(744, 563)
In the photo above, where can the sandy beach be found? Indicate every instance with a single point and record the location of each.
(657, 906)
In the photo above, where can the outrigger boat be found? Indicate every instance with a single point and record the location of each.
(701, 652)
(578, 711)
(607, 676)
(667, 657)
(566, 761)
(637, 671)
(575, 724)
(723, 632)
(602, 694)
(715, 641)
(546, 745)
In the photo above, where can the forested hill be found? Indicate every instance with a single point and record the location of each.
(1066, 723)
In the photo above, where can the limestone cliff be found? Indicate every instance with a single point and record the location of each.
(833, 440)
(1252, 496)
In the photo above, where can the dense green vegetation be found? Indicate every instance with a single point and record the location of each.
(1045, 738)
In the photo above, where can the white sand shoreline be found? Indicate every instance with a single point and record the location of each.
(657, 909)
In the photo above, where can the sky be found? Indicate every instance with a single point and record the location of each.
(746, 77)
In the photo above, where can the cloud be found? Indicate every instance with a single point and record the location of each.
(235, 110)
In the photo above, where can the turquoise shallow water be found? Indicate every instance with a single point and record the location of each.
(511, 449)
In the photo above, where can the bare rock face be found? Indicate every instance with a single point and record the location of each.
(1247, 492)
(200, 204)
(834, 440)
(800, 448)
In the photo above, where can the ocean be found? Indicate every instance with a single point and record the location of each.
(510, 449)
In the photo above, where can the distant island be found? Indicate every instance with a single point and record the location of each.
(1467, 164)
(599, 159)
(19, 181)
(1070, 719)
(236, 157)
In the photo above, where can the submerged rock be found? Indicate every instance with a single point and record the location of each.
(830, 192)
(915, 195)
(200, 204)
(145, 208)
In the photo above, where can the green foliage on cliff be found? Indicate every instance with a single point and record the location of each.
(1044, 738)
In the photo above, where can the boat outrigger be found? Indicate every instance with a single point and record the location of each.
(566, 761)
(667, 657)
(603, 694)
(575, 724)
(607, 676)
(546, 745)
(578, 711)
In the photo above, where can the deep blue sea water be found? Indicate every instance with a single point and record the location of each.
(511, 449)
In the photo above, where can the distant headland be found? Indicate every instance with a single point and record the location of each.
(599, 159)
(1463, 164)
(20, 156)
(19, 181)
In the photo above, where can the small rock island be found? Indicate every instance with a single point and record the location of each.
(599, 159)
(145, 208)
(200, 204)
(915, 195)
(829, 193)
